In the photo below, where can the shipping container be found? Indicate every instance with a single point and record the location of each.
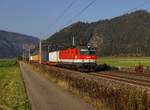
(30, 58)
(34, 58)
(54, 56)
(45, 56)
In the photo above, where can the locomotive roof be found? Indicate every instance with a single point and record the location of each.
(78, 47)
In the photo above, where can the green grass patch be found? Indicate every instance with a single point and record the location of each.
(7, 62)
(12, 91)
(124, 61)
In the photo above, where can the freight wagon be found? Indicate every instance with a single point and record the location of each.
(54, 57)
(34, 58)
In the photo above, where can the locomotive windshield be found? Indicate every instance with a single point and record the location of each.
(88, 51)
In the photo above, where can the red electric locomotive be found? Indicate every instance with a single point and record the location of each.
(81, 58)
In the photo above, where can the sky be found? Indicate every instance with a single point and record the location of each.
(42, 18)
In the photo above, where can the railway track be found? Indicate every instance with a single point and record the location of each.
(128, 76)
(125, 78)
(130, 80)
(132, 73)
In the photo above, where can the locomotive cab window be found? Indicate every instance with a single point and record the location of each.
(87, 51)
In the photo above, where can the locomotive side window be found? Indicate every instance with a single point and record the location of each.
(92, 52)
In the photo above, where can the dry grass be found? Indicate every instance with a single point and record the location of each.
(104, 94)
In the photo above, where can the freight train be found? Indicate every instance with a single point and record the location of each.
(78, 58)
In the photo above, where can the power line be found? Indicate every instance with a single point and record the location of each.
(63, 12)
(92, 2)
(80, 12)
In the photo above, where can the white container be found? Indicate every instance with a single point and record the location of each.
(54, 56)
(31, 58)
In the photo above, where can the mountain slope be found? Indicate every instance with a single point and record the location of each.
(80, 31)
(11, 43)
(126, 35)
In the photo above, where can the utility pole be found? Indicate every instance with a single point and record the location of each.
(22, 53)
(29, 54)
(40, 51)
(73, 43)
(48, 48)
(25, 54)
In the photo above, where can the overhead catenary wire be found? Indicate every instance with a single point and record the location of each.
(80, 12)
(92, 2)
(59, 17)
(65, 10)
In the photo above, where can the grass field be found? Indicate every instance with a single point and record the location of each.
(12, 91)
(124, 61)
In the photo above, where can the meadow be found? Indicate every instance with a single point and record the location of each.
(12, 90)
(124, 61)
